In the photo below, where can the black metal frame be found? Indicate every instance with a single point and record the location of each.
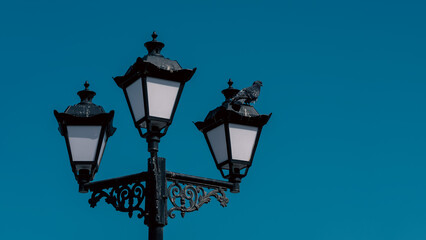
(233, 165)
(126, 194)
(226, 114)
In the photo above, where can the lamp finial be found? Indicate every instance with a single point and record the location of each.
(154, 36)
(230, 91)
(154, 47)
(86, 95)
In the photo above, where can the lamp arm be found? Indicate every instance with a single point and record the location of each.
(201, 181)
(193, 192)
(114, 182)
(125, 194)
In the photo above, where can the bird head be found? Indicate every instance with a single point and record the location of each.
(259, 83)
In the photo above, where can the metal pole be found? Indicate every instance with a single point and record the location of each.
(156, 199)
(155, 233)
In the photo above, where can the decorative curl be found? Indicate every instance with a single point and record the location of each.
(124, 198)
(192, 197)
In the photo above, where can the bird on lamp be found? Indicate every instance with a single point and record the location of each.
(247, 95)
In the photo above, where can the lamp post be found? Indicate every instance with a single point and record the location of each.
(152, 87)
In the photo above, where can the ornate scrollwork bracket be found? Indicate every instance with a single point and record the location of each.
(125, 194)
(192, 197)
(188, 193)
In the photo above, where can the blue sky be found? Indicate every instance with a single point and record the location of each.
(343, 156)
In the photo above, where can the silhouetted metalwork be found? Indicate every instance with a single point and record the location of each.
(186, 193)
(152, 87)
(125, 194)
(189, 198)
(125, 198)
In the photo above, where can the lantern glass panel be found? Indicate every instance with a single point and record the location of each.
(101, 153)
(83, 142)
(161, 96)
(217, 140)
(243, 139)
(135, 96)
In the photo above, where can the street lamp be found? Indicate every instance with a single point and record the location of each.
(232, 132)
(152, 87)
(86, 128)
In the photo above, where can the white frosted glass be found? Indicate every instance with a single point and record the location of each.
(217, 141)
(83, 142)
(135, 95)
(101, 153)
(161, 96)
(242, 141)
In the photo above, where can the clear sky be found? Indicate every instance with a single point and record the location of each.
(342, 157)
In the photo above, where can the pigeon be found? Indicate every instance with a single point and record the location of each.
(249, 94)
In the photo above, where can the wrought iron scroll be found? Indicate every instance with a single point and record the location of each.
(124, 198)
(189, 198)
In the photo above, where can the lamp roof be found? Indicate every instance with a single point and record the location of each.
(156, 65)
(232, 112)
(230, 92)
(85, 113)
(154, 57)
(86, 108)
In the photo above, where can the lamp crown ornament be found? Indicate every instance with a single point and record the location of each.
(85, 108)
(86, 95)
(154, 47)
(154, 36)
(230, 92)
